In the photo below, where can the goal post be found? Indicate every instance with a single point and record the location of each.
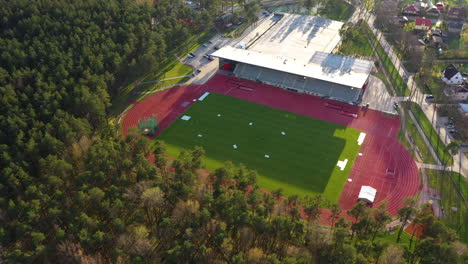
(148, 125)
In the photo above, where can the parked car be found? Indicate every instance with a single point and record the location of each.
(209, 41)
(210, 58)
(217, 47)
(239, 22)
(403, 19)
(450, 127)
(429, 97)
(206, 56)
(192, 55)
(205, 45)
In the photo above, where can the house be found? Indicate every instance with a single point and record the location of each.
(455, 12)
(452, 76)
(464, 109)
(436, 32)
(422, 23)
(433, 11)
(437, 41)
(440, 6)
(455, 27)
(457, 93)
(410, 10)
(420, 5)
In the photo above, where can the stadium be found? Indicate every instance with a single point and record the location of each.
(294, 52)
(284, 105)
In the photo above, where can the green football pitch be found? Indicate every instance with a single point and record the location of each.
(302, 160)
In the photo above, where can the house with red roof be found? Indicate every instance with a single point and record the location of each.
(455, 12)
(440, 6)
(433, 11)
(410, 10)
(422, 23)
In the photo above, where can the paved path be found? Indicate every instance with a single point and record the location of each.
(377, 96)
(431, 166)
(162, 80)
(460, 160)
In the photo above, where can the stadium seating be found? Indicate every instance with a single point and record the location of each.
(292, 81)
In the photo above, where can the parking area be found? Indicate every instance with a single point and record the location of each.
(377, 97)
(198, 61)
(218, 41)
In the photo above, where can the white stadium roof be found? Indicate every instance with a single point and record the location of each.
(322, 66)
(294, 36)
(367, 194)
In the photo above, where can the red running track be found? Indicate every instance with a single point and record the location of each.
(381, 151)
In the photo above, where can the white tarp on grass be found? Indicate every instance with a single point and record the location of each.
(367, 194)
(203, 96)
(342, 164)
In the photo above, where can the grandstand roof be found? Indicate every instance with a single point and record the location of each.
(294, 36)
(322, 66)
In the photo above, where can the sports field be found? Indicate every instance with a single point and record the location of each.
(302, 160)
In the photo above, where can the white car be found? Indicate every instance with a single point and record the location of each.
(450, 126)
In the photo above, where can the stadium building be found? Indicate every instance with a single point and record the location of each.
(294, 52)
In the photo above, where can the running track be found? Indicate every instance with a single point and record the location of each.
(381, 150)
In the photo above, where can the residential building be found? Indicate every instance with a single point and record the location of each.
(433, 11)
(455, 13)
(464, 109)
(410, 10)
(452, 76)
(422, 23)
(440, 6)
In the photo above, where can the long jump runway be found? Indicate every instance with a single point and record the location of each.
(385, 164)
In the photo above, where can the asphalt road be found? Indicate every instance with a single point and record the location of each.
(199, 61)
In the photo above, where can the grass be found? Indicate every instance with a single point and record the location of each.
(430, 133)
(301, 162)
(417, 139)
(452, 187)
(398, 84)
(175, 69)
(356, 43)
(392, 237)
(196, 43)
(401, 137)
(120, 102)
(237, 31)
(454, 42)
(169, 67)
(339, 10)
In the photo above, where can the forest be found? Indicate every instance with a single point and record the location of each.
(73, 189)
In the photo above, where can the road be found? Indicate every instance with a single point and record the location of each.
(199, 61)
(460, 160)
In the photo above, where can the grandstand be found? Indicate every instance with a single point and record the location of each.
(294, 52)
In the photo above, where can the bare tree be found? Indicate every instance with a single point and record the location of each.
(392, 255)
